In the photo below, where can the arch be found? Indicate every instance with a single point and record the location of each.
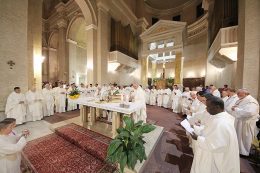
(72, 22)
(53, 40)
(88, 11)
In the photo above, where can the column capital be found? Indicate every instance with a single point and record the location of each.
(62, 23)
(91, 26)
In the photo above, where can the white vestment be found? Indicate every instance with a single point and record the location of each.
(216, 93)
(246, 114)
(48, 103)
(160, 97)
(166, 98)
(147, 96)
(217, 149)
(176, 101)
(196, 106)
(10, 153)
(230, 102)
(14, 109)
(224, 99)
(139, 98)
(153, 95)
(60, 100)
(35, 105)
(185, 101)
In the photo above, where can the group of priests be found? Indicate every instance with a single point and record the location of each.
(36, 104)
(224, 123)
(239, 104)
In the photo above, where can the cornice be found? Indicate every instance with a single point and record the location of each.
(197, 28)
(178, 9)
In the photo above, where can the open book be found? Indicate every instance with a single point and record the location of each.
(187, 126)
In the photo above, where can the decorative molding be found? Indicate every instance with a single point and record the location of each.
(91, 26)
(162, 29)
(71, 41)
(142, 23)
(171, 11)
(199, 27)
(62, 23)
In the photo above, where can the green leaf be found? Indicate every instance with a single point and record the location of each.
(131, 159)
(139, 123)
(122, 162)
(124, 133)
(128, 122)
(140, 152)
(119, 130)
(148, 128)
(113, 146)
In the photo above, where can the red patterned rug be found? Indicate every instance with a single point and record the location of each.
(71, 149)
(58, 117)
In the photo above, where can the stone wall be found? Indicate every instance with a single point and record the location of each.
(13, 46)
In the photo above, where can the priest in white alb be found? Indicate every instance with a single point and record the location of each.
(11, 145)
(176, 99)
(214, 91)
(231, 101)
(34, 100)
(246, 112)
(217, 147)
(166, 98)
(159, 97)
(139, 98)
(15, 106)
(186, 100)
(153, 96)
(48, 100)
(60, 98)
(147, 95)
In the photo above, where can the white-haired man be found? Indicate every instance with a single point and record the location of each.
(48, 100)
(176, 99)
(139, 98)
(214, 91)
(246, 112)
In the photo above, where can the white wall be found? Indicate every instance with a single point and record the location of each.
(77, 64)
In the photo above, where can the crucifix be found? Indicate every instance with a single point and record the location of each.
(11, 64)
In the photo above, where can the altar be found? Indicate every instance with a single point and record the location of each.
(90, 111)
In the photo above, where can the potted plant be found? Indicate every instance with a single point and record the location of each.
(128, 146)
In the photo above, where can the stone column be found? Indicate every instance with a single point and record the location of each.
(91, 53)
(34, 36)
(144, 70)
(45, 64)
(248, 72)
(178, 68)
(103, 41)
(62, 66)
(154, 69)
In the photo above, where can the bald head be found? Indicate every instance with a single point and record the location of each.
(242, 93)
(135, 85)
(193, 94)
